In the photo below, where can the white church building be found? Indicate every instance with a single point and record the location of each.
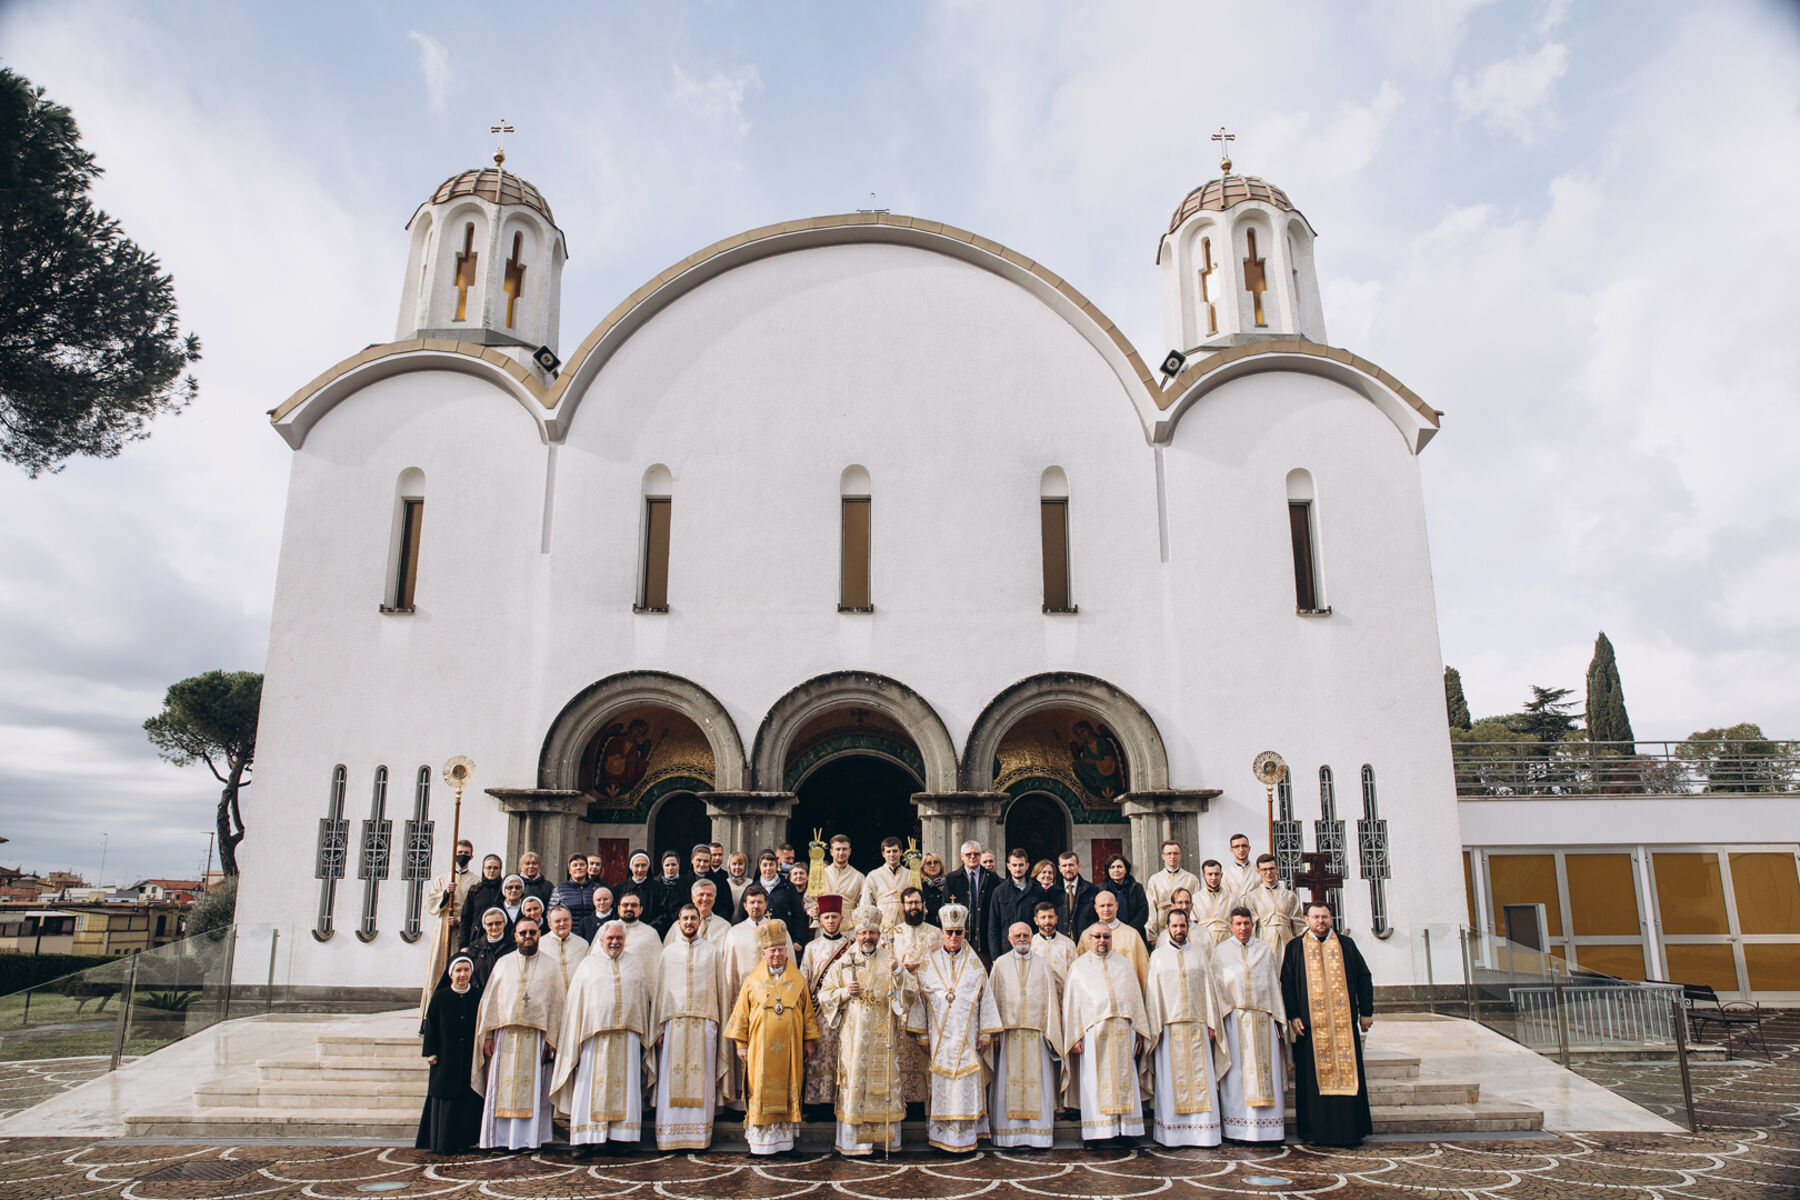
(856, 523)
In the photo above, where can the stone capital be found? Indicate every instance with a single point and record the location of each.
(1167, 802)
(747, 804)
(958, 804)
(539, 800)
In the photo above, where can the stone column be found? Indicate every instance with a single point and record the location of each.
(749, 821)
(1156, 817)
(948, 819)
(541, 819)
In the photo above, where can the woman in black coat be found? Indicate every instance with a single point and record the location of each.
(1134, 907)
(493, 942)
(451, 1121)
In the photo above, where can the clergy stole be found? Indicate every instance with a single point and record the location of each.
(1329, 1023)
(1255, 1027)
(1115, 1071)
(686, 1038)
(1024, 1068)
(868, 1033)
(1187, 1052)
(606, 1090)
(1030, 1014)
(516, 1098)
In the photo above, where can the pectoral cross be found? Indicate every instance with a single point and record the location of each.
(465, 272)
(1255, 279)
(1224, 139)
(1318, 878)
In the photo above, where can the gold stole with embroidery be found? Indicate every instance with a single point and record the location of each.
(516, 1097)
(1328, 1017)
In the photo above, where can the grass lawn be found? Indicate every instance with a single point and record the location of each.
(50, 1008)
(72, 1045)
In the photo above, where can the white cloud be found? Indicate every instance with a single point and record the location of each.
(1513, 95)
(719, 98)
(434, 64)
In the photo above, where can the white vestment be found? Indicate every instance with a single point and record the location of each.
(845, 881)
(1026, 1088)
(1236, 879)
(566, 953)
(1248, 984)
(954, 1010)
(1184, 1011)
(1103, 1009)
(644, 946)
(714, 929)
(1059, 951)
(1160, 891)
(692, 1001)
(1279, 917)
(522, 1008)
(599, 1079)
(912, 943)
(870, 1027)
(882, 888)
(821, 1068)
(1212, 913)
(446, 935)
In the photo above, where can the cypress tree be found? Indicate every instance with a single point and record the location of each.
(1607, 720)
(1453, 699)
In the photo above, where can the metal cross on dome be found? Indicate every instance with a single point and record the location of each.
(500, 131)
(1224, 139)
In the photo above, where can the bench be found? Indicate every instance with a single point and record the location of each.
(1704, 1008)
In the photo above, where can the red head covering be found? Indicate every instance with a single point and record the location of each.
(831, 902)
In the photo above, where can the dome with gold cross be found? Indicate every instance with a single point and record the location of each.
(1228, 191)
(495, 185)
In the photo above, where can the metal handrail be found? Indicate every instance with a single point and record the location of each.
(1580, 767)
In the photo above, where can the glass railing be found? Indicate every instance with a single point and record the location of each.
(1629, 1037)
(132, 1005)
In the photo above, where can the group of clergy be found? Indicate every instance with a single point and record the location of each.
(1185, 1024)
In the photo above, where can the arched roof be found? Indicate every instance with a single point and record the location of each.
(493, 184)
(1157, 407)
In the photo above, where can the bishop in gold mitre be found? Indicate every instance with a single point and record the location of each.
(775, 1027)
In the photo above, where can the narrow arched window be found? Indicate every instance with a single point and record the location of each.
(415, 869)
(372, 862)
(334, 842)
(1303, 535)
(408, 529)
(1372, 833)
(1053, 511)
(1289, 842)
(856, 528)
(653, 563)
(1328, 836)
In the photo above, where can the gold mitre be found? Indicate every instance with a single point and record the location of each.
(953, 916)
(867, 917)
(771, 933)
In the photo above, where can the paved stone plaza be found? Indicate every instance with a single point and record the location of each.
(1749, 1148)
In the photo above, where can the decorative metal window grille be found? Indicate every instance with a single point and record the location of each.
(334, 846)
(1371, 833)
(372, 863)
(1328, 836)
(415, 868)
(1289, 839)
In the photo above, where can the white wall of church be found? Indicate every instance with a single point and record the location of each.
(955, 390)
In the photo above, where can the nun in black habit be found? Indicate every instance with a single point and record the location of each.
(451, 1122)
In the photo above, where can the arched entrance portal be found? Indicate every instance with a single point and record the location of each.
(864, 797)
(681, 824)
(1038, 824)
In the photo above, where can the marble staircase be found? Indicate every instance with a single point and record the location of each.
(367, 1082)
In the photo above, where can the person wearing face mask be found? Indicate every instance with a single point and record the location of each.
(446, 899)
(516, 1031)
(484, 894)
(451, 1121)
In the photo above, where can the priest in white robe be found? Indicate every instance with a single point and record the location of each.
(1212, 905)
(1161, 887)
(1239, 872)
(1052, 945)
(1027, 1085)
(562, 944)
(826, 947)
(954, 1014)
(1183, 903)
(912, 939)
(446, 901)
(1279, 917)
(883, 885)
(864, 996)
(1189, 1056)
(515, 1042)
(692, 1001)
(842, 879)
(741, 957)
(643, 945)
(599, 1076)
(1107, 1029)
(1248, 982)
(713, 927)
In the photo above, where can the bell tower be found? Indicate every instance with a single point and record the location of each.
(485, 264)
(1237, 265)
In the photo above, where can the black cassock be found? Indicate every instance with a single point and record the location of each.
(451, 1122)
(1328, 1120)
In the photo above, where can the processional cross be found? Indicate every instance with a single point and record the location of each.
(1318, 878)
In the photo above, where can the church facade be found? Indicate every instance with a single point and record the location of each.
(858, 523)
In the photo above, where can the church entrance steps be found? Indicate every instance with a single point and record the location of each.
(360, 1067)
(382, 1126)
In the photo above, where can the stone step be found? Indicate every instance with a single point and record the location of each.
(1412, 1093)
(247, 1091)
(368, 1045)
(1486, 1116)
(311, 1066)
(1386, 1064)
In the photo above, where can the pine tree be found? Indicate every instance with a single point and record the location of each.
(1453, 699)
(1607, 720)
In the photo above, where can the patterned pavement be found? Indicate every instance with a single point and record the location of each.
(1749, 1148)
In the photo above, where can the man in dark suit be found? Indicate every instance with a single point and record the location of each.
(1014, 899)
(1074, 896)
(970, 887)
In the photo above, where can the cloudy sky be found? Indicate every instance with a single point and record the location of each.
(1570, 226)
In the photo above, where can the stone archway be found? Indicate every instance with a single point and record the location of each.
(1136, 731)
(850, 691)
(582, 719)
